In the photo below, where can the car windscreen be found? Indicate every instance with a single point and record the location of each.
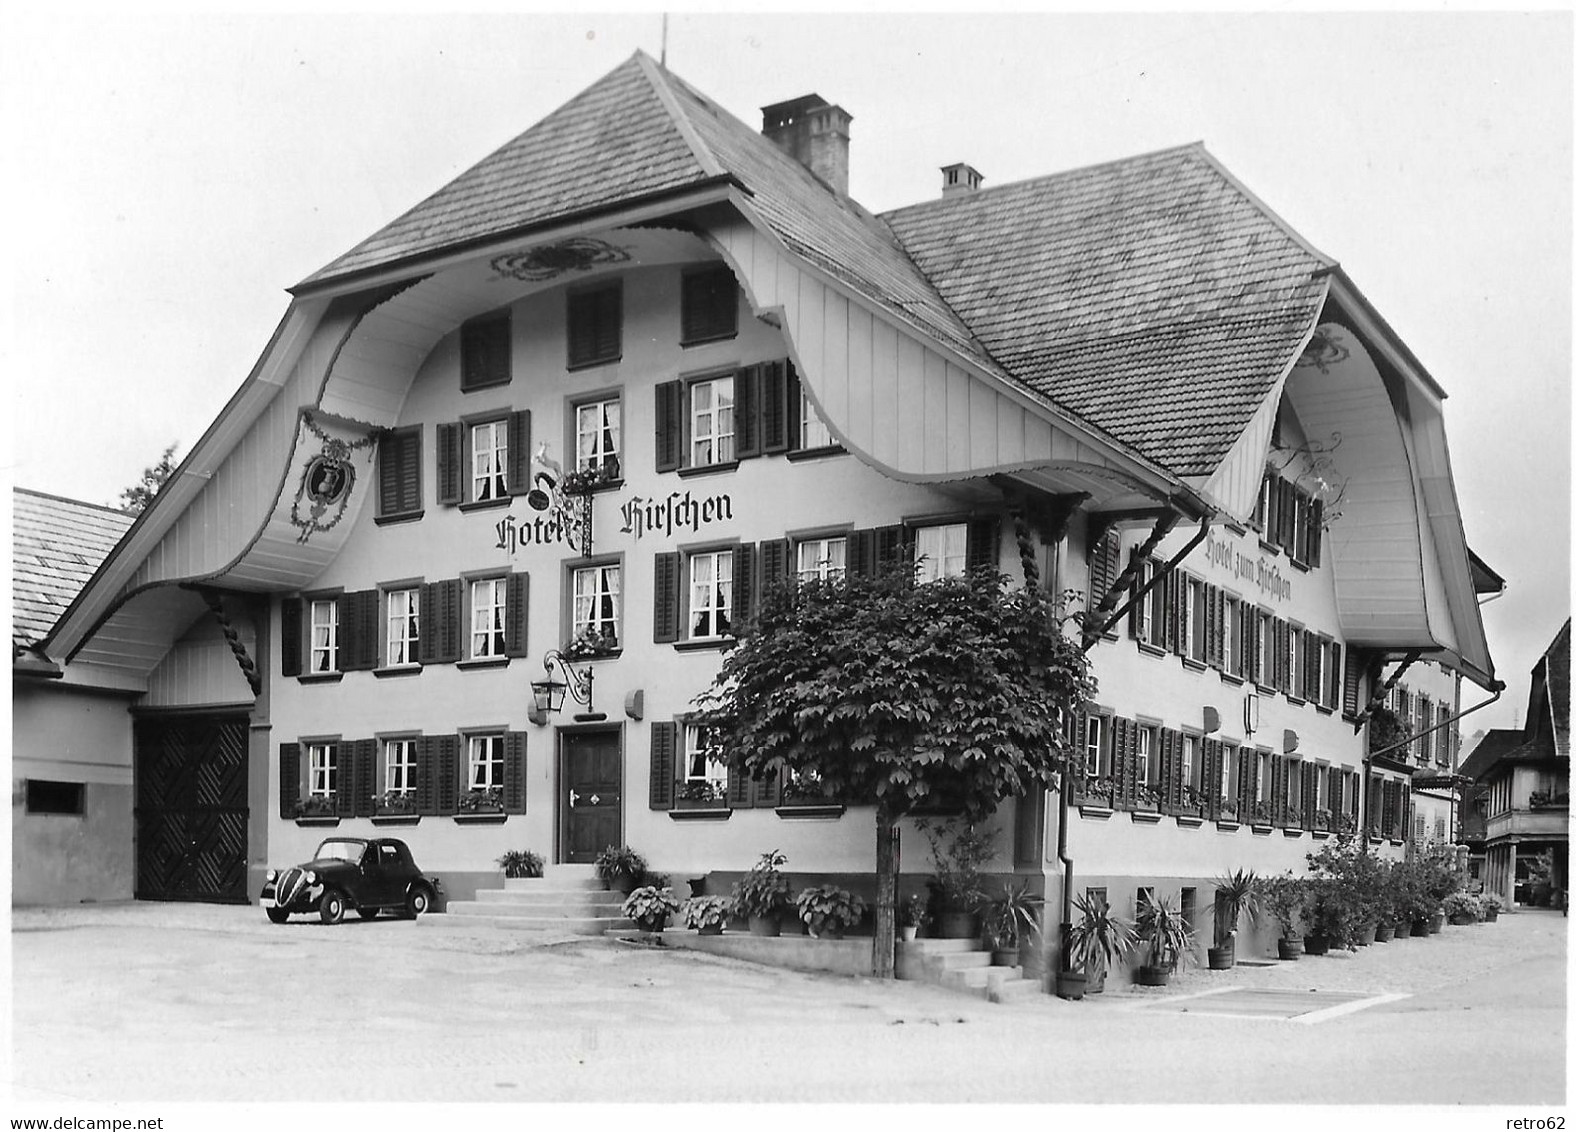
(332, 850)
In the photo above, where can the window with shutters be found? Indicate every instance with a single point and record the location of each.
(485, 352)
(399, 474)
(1230, 635)
(398, 773)
(1297, 525)
(597, 439)
(711, 422)
(1144, 764)
(1193, 619)
(401, 626)
(941, 551)
(821, 559)
(702, 775)
(596, 615)
(1262, 779)
(708, 305)
(483, 771)
(487, 607)
(1190, 774)
(1229, 786)
(489, 447)
(322, 770)
(710, 593)
(1263, 648)
(324, 657)
(1294, 792)
(1261, 510)
(1295, 655)
(596, 325)
(813, 433)
(1096, 743)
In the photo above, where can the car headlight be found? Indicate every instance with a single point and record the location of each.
(273, 875)
(311, 877)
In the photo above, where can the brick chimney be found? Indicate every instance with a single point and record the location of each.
(813, 133)
(959, 178)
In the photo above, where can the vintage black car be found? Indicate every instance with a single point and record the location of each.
(350, 872)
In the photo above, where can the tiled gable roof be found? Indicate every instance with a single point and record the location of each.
(612, 142)
(1557, 675)
(1494, 745)
(56, 545)
(1153, 296)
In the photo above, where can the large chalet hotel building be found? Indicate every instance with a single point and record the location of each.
(593, 394)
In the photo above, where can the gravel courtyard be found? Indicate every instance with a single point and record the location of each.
(170, 1003)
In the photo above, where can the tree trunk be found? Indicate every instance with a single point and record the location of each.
(884, 946)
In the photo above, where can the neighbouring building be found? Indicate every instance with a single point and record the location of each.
(1517, 823)
(593, 392)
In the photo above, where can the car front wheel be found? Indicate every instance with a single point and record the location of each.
(418, 902)
(277, 915)
(331, 908)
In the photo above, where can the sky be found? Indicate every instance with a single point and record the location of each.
(172, 173)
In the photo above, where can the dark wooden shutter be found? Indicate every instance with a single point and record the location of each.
(1105, 566)
(451, 597)
(741, 794)
(485, 352)
(1310, 793)
(427, 640)
(664, 741)
(289, 779)
(1391, 796)
(665, 615)
(516, 613)
(1209, 776)
(1351, 684)
(446, 773)
(1403, 800)
(1176, 612)
(291, 613)
(1117, 726)
(794, 400)
(399, 472)
(1171, 767)
(1247, 782)
(442, 606)
(670, 425)
(1278, 789)
(981, 549)
(514, 772)
(709, 305)
(450, 462)
(596, 326)
(1135, 612)
(358, 631)
(861, 556)
(777, 411)
(768, 790)
(1315, 531)
(517, 477)
(744, 585)
(1337, 791)
(776, 561)
(426, 775)
(364, 780)
(1211, 649)
(1332, 678)
(344, 780)
(1283, 645)
(747, 412)
(891, 545)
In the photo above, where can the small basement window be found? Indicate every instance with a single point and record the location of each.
(46, 797)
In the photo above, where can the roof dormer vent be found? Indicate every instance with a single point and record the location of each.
(959, 178)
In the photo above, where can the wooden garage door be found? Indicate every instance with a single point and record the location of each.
(191, 807)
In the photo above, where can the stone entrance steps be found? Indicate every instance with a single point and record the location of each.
(566, 898)
(963, 965)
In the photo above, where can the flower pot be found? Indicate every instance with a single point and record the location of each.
(626, 883)
(1289, 949)
(957, 925)
(1461, 919)
(1366, 934)
(1402, 929)
(1316, 944)
(1095, 984)
(709, 929)
(1071, 985)
(1420, 927)
(652, 926)
(1153, 976)
(765, 926)
(908, 932)
(1436, 923)
(1490, 915)
(1004, 957)
(1384, 934)
(1223, 958)
(832, 932)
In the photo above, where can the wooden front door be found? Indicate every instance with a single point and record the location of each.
(591, 779)
(191, 810)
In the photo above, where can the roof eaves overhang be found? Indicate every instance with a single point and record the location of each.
(98, 596)
(619, 214)
(1179, 494)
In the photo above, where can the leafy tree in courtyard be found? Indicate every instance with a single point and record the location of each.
(889, 693)
(137, 497)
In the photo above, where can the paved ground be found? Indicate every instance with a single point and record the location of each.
(161, 1003)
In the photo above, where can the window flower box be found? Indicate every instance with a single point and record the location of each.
(1094, 792)
(699, 795)
(1146, 799)
(485, 800)
(588, 644)
(318, 806)
(586, 480)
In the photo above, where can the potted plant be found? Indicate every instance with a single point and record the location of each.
(762, 894)
(700, 794)
(1323, 916)
(620, 867)
(960, 852)
(1096, 940)
(650, 907)
(317, 806)
(1492, 907)
(1011, 918)
(590, 643)
(1283, 897)
(1386, 729)
(829, 911)
(706, 914)
(1236, 893)
(1167, 939)
(517, 863)
(395, 802)
(481, 800)
(912, 914)
(1462, 908)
